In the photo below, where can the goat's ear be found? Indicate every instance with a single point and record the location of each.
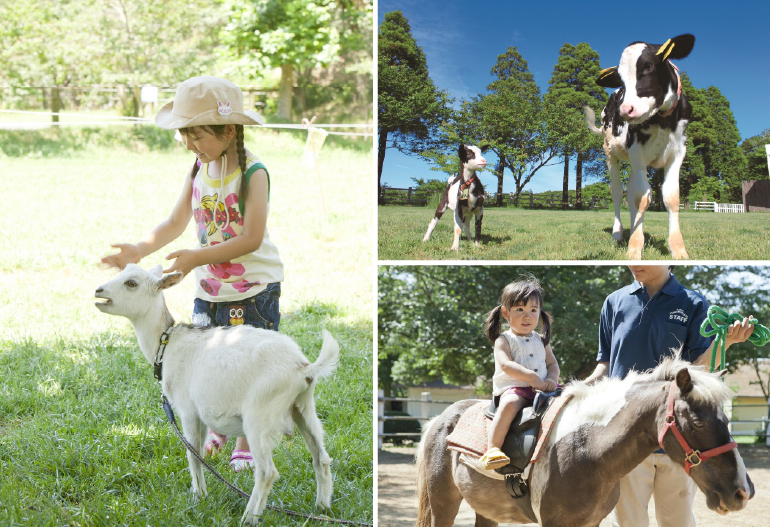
(170, 280)
(157, 271)
(609, 78)
(684, 381)
(721, 374)
(677, 47)
(462, 153)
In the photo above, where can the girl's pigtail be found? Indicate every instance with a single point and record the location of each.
(241, 161)
(492, 325)
(195, 169)
(546, 319)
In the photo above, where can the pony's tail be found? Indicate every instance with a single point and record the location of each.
(424, 515)
(546, 320)
(492, 325)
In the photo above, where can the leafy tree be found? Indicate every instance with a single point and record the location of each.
(409, 105)
(714, 164)
(756, 155)
(286, 34)
(430, 318)
(573, 86)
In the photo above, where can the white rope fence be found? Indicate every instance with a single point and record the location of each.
(119, 120)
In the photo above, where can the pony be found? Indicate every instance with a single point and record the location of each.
(602, 433)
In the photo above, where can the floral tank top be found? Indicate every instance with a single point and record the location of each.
(218, 217)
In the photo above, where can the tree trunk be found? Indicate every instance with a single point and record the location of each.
(500, 173)
(55, 103)
(380, 159)
(565, 185)
(285, 93)
(578, 181)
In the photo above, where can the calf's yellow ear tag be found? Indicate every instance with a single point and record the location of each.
(665, 50)
(607, 71)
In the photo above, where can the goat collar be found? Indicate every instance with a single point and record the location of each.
(678, 92)
(158, 364)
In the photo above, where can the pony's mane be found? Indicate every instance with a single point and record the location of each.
(707, 387)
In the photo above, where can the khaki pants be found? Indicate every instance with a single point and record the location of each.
(672, 488)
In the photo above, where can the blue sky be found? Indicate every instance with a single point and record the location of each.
(462, 40)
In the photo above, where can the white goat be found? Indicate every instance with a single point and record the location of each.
(239, 381)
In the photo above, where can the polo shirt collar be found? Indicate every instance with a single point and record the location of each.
(671, 288)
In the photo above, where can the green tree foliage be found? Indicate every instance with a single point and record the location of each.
(715, 165)
(298, 36)
(573, 86)
(409, 106)
(756, 156)
(430, 318)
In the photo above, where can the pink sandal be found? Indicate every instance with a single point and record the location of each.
(241, 460)
(214, 443)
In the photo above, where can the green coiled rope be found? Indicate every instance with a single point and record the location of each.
(720, 321)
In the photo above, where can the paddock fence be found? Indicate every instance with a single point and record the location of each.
(418, 197)
(427, 412)
(719, 207)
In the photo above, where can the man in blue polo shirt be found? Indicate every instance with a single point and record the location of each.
(640, 325)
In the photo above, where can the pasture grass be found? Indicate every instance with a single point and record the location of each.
(523, 234)
(83, 439)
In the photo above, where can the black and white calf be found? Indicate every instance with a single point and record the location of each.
(644, 123)
(464, 194)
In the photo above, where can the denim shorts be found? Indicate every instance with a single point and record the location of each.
(260, 311)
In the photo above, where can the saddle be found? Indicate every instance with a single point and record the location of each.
(519, 443)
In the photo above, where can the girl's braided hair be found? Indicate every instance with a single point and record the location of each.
(518, 293)
(218, 130)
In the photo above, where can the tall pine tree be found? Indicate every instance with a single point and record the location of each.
(409, 106)
(573, 86)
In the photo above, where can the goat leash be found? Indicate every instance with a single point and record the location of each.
(720, 322)
(170, 414)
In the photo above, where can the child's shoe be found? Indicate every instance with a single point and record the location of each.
(494, 458)
(241, 460)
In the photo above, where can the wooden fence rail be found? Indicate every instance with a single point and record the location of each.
(413, 196)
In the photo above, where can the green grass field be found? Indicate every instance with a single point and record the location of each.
(523, 234)
(83, 439)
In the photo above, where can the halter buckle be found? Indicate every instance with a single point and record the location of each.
(695, 454)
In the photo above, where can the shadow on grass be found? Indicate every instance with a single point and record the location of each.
(649, 241)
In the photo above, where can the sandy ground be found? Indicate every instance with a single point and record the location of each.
(397, 504)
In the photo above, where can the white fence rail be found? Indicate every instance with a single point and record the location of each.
(426, 401)
(719, 207)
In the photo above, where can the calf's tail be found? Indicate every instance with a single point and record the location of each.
(591, 119)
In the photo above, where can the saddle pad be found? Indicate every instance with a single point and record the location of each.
(470, 433)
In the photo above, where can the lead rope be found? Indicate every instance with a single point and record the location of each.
(720, 322)
(172, 420)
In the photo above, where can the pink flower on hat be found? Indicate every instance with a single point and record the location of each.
(224, 108)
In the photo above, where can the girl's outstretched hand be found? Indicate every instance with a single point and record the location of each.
(184, 261)
(129, 253)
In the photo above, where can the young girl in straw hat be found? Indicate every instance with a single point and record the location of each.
(236, 267)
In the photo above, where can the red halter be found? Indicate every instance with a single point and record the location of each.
(693, 458)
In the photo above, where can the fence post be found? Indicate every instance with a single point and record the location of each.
(380, 422)
(593, 201)
(767, 430)
(531, 199)
(425, 406)
(552, 199)
(409, 196)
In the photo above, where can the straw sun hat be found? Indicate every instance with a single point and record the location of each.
(205, 101)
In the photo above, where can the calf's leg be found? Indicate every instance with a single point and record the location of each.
(458, 229)
(616, 188)
(479, 217)
(639, 194)
(671, 199)
(439, 212)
